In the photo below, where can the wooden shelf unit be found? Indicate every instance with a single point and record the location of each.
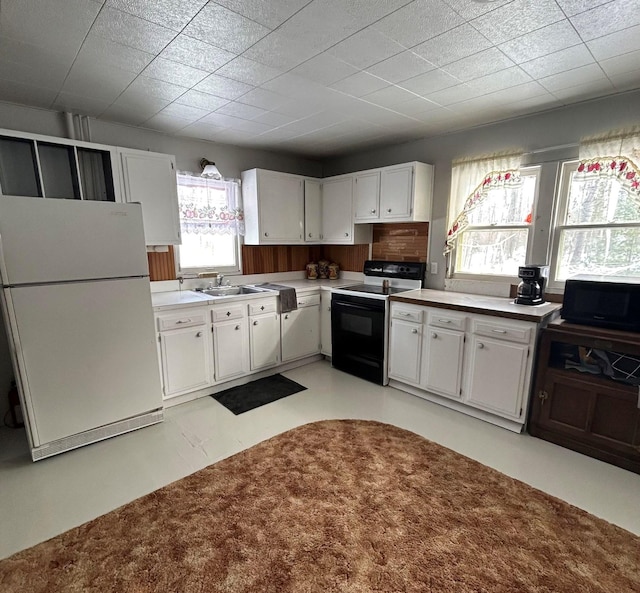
(591, 414)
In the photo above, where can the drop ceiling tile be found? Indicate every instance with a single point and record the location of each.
(587, 90)
(200, 131)
(480, 64)
(79, 104)
(621, 64)
(273, 119)
(500, 80)
(165, 123)
(130, 30)
(565, 59)
(15, 92)
(544, 41)
(221, 120)
(263, 98)
(517, 18)
(226, 29)
(251, 127)
(241, 110)
(248, 71)
(223, 87)
(324, 69)
(360, 84)
(292, 86)
(97, 52)
(453, 45)
(125, 114)
(389, 96)
(415, 107)
(284, 49)
(578, 76)
(571, 7)
(470, 9)
(156, 88)
(201, 100)
(269, 14)
(174, 72)
(400, 67)
(34, 57)
(141, 102)
(395, 121)
(365, 48)
(235, 137)
(173, 14)
(454, 94)
(184, 112)
(295, 109)
(615, 44)
(626, 81)
(196, 53)
(40, 23)
(608, 18)
(107, 83)
(430, 82)
(418, 21)
(37, 74)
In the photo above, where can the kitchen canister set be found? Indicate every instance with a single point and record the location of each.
(323, 270)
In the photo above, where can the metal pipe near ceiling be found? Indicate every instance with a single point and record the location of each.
(70, 125)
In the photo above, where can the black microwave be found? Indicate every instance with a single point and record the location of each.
(603, 301)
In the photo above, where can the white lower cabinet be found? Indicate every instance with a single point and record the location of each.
(478, 362)
(230, 341)
(264, 333)
(185, 352)
(325, 322)
(301, 329)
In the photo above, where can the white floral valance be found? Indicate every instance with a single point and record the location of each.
(616, 154)
(208, 206)
(471, 182)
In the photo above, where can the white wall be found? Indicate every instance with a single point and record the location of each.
(532, 133)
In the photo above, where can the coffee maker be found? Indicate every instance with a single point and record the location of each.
(532, 280)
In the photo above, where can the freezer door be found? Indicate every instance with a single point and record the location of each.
(87, 354)
(59, 240)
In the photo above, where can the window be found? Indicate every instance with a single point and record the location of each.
(497, 237)
(597, 226)
(211, 222)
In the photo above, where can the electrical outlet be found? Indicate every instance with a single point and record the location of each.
(433, 268)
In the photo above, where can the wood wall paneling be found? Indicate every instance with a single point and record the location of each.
(162, 265)
(401, 241)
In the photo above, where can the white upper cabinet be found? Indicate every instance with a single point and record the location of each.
(273, 206)
(337, 213)
(150, 178)
(400, 193)
(312, 210)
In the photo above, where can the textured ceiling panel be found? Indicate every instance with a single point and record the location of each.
(318, 77)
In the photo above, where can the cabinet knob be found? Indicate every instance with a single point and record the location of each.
(346, 234)
(266, 234)
(199, 335)
(388, 209)
(228, 313)
(183, 321)
(414, 331)
(262, 308)
(328, 308)
(434, 335)
(310, 235)
(255, 323)
(373, 211)
(480, 345)
(286, 317)
(237, 327)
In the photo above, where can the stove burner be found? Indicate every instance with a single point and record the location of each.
(373, 289)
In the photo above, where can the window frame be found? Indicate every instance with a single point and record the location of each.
(226, 270)
(530, 228)
(561, 207)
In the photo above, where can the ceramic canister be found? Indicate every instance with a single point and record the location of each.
(312, 271)
(323, 268)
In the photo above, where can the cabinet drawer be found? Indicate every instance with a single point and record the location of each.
(266, 306)
(407, 314)
(309, 300)
(444, 318)
(235, 311)
(180, 319)
(502, 331)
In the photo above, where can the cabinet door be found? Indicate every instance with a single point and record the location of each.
(186, 360)
(325, 322)
(337, 210)
(367, 197)
(300, 332)
(443, 349)
(231, 349)
(150, 178)
(264, 340)
(281, 206)
(396, 193)
(312, 210)
(496, 375)
(405, 348)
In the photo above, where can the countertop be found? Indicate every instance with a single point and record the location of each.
(475, 303)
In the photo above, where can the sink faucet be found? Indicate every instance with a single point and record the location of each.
(220, 279)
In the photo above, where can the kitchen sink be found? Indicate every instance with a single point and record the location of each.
(230, 290)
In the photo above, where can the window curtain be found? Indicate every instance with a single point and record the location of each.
(616, 154)
(471, 181)
(208, 206)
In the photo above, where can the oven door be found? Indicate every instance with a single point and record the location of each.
(358, 338)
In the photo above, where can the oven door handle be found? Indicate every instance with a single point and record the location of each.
(352, 306)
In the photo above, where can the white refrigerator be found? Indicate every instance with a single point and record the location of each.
(77, 308)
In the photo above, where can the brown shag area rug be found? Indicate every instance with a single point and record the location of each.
(344, 505)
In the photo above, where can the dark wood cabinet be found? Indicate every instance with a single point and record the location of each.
(589, 413)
